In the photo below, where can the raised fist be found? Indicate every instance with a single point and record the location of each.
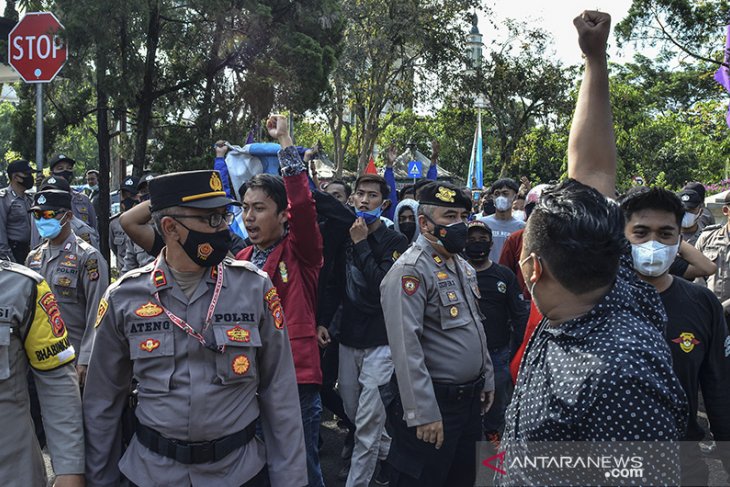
(593, 29)
(278, 126)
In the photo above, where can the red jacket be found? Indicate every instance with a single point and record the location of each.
(532, 322)
(294, 267)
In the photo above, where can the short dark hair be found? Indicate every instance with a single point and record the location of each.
(348, 189)
(579, 234)
(408, 188)
(374, 178)
(505, 183)
(643, 198)
(272, 186)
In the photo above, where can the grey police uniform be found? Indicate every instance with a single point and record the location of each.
(118, 242)
(78, 275)
(14, 221)
(187, 391)
(714, 243)
(83, 209)
(136, 257)
(32, 334)
(80, 228)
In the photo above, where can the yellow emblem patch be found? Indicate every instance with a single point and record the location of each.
(238, 334)
(686, 341)
(454, 311)
(148, 310)
(103, 305)
(215, 182)
(204, 250)
(442, 276)
(149, 345)
(446, 195)
(240, 364)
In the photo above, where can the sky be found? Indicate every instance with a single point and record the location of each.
(556, 17)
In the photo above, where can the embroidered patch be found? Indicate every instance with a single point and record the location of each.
(274, 304)
(438, 259)
(501, 287)
(92, 269)
(446, 195)
(148, 310)
(50, 306)
(215, 182)
(70, 257)
(159, 278)
(149, 345)
(454, 311)
(442, 232)
(396, 254)
(103, 305)
(442, 276)
(410, 284)
(204, 250)
(687, 341)
(283, 272)
(238, 334)
(64, 281)
(240, 364)
(452, 296)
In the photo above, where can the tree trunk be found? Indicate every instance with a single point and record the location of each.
(205, 121)
(102, 140)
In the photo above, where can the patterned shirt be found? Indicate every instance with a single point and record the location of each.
(604, 376)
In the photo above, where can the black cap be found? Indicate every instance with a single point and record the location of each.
(51, 199)
(145, 179)
(690, 199)
(480, 225)
(60, 158)
(129, 184)
(54, 182)
(695, 186)
(194, 189)
(20, 165)
(444, 194)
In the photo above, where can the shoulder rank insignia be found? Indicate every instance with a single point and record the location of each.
(148, 310)
(438, 259)
(238, 334)
(159, 278)
(446, 195)
(410, 284)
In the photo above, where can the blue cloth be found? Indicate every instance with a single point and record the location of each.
(389, 176)
(220, 165)
(494, 418)
(433, 172)
(311, 405)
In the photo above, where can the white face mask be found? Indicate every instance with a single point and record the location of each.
(652, 258)
(689, 219)
(519, 215)
(502, 203)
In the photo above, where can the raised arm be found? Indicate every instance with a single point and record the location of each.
(135, 223)
(592, 145)
(389, 177)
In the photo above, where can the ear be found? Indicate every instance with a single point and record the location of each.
(169, 227)
(284, 216)
(537, 269)
(386, 204)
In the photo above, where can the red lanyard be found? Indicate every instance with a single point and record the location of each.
(180, 323)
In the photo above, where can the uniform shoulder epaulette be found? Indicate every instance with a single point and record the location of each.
(410, 256)
(712, 227)
(245, 264)
(134, 273)
(83, 244)
(13, 267)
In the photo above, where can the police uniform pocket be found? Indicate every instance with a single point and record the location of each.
(4, 351)
(454, 310)
(237, 363)
(154, 359)
(65, 287)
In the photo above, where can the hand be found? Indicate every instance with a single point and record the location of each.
(593, 29)
(221, 148)
(431, 433)
(278, 126)
(309, 155)
(435, 151)
(391, 156)
(70, 481)
(81, 373)
(358, 231)
(39, 179)
(487, 400)
(323, 337)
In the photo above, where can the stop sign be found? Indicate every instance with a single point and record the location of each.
(35, 49)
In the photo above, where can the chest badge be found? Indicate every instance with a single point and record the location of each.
(442, 276)
(148, 310)
(687, 341)
(240, 365)
(501, 287)
(238, 334)
(64, 281)
(284, 272)
(454, 311)
(452, 296)
(149, 345)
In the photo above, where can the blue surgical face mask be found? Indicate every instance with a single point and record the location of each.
(370, 216)
(48, 227)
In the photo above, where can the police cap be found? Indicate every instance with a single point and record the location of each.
(20, 165)
(690, 199)
(444, 194)
(51, 199)
(194, 189)
(60, 158)
(129, 184)
(53, 182)
(145, 180)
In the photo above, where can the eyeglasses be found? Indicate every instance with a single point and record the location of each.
(214, 219)
(47, 214)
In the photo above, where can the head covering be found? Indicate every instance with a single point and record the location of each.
(698, 187)
(129, 184)
(51, 199)
(53, 182)
(690, 199)
(145, 180)
(60, 158)
(20, 165)
(413, 205)
(444, 194)
(478, 224)
(193, 189)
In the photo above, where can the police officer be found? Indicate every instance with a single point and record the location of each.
(33, 336)
(143, 191)
(119, 242)
(714, 242)
(62, 166)
(204, 336)
(76, 271)
(80, 228)
(14, 204)
(443, 369)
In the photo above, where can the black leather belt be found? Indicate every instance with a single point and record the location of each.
(189, 452)
(458, 392)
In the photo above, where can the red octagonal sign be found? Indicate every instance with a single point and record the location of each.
(35, 48)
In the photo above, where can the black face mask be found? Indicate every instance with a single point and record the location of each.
(128, 204)
(452, 237)
(408, 229)
(478, 251)
(67, 175)
(27, 182)
(207, 249)
(144, 197)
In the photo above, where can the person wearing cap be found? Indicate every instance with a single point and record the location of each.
(80, 228)
(128, 193)
(714, 243)
(143, 191)
(34, 342)
(76, 271)
(14, 205)
(691, 224)
(62, 166)
(505, 316)
(92, 190)
(706, 216)
(204, 336)
(443, 370)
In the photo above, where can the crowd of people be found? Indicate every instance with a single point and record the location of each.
(427, 318)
